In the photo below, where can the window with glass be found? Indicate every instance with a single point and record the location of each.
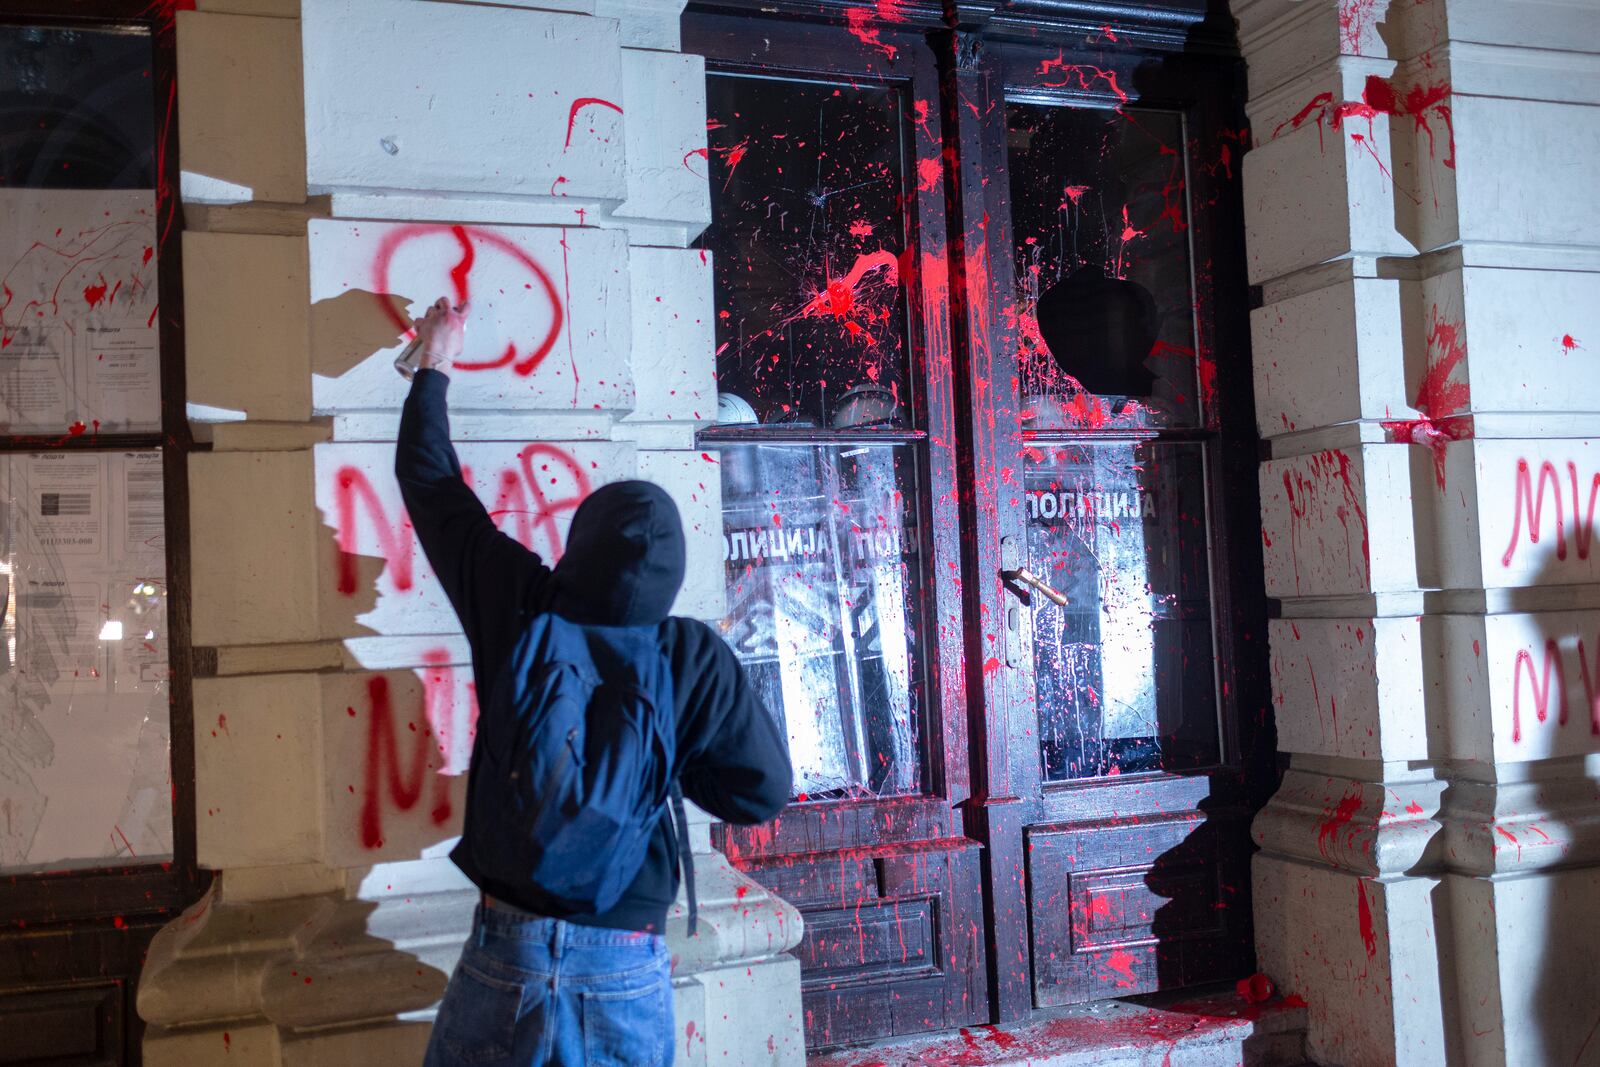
(85, 770)
(1112, 395)
(821, 458)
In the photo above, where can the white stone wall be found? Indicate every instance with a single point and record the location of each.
(345, 162)
(1422, 223)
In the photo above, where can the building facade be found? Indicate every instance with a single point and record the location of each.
(1139, 452)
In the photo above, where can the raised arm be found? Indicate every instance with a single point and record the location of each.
(488, 576)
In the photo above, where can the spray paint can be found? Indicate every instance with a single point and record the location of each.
(409, 361)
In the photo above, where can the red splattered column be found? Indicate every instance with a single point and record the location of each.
(1425, 246)
(330, 196)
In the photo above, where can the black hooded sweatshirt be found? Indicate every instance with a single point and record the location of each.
(623, 565)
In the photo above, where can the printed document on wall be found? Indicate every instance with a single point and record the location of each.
(84, 735)
(78, 334)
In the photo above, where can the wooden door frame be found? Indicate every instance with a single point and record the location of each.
(886, 851)
(68, 936)
(1198, 73)
(1002, 794)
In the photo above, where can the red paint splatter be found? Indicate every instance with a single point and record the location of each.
(861, 228)
(1378, 98)
(1569, 344)
(1083, 74)
(1354, 18)
(93, 294)
(1438, 397)
(840, 296)
(1303, 494)
(1122, 961)
(1509, 836)
(859, 21)
(1338, 819)
(1075, 193)
(733, 157)
(928, 173)
(577, 106)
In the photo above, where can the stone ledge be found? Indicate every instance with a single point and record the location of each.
(1206, 1030)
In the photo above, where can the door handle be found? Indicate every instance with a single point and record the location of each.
(1027, 577)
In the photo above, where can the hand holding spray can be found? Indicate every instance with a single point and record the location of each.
(439, 333)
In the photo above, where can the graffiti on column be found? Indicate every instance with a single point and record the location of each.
(522, 355)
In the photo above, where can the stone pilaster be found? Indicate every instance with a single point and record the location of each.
(530, 161)
(1423, 230)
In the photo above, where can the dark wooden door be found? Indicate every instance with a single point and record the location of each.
(1123, 752)
(96, 768)
(840, 501)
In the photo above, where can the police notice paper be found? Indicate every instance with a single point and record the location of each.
(78, 338)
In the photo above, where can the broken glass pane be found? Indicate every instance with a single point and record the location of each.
(1103, 306)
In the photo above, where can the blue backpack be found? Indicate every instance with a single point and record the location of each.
(574, 764)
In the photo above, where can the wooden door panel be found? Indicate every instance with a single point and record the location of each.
(1153, 904)
(69, 1026)
(891, 944)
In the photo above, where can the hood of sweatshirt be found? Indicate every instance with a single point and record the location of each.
(624, 561)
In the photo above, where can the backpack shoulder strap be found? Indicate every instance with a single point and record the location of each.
(685, 854)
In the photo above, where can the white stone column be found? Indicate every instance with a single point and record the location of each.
(533, 161)
(1423, 226)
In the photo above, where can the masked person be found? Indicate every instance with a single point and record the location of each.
(538, 981)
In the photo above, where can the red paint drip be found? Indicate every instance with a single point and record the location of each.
(577, 106)
(1369, 936)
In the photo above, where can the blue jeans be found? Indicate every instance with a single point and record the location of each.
(531, 992)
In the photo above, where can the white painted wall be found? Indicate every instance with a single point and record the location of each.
(344, 163)
(1421, 221)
